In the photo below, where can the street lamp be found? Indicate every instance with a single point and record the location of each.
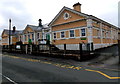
(9, 32)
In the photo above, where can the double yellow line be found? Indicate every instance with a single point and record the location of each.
(63, 66)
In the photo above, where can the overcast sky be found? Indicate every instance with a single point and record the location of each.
(23, 12)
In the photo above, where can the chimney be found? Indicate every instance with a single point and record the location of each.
(14, 29)
(40, 23)
(77, 7)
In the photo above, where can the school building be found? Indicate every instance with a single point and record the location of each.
(71, 27)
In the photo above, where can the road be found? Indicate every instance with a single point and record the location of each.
(16, 69)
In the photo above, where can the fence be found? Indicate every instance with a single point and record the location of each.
(84, 50)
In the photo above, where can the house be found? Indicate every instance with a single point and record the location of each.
(35, 34)
(14, 34)
(71, 27)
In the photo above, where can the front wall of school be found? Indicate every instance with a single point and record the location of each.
(69, 41)
(70, 25)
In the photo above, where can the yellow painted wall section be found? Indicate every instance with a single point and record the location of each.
(77, 32)
(73, 17)
(67, 34)
(69, 41)
(94, 32)
(70, 25)
(96, 25)
(14, 40)
(4, 44)
(58, 34)
(96, 40)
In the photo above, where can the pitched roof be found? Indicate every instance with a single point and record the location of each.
(79, 13)
(37, 28)
(6, 31)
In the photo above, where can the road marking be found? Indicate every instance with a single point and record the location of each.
(8, 79)
(64, 66)
(103, 74)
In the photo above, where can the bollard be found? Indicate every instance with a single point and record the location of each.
(64, 49)
(49, 49)
(81, 51)
(92, 47)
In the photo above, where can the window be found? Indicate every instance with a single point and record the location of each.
(107, 35)
(103, 34)
(28, 37)
(66, 16)
(54, 35)
(32, 36)
(83, 32)
(72, 33)
(38, 35)
(20, 38)
(98, 33)
(25, 38)
(62, 34)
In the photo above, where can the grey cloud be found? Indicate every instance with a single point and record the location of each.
(15, 10)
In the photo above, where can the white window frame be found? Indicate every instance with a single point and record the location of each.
(61, 34)
(32, 36)
(54, 35)
(28, 36)
(103, 34)
(98, 33)
(81, 32)
(65, 15)
(74, 33)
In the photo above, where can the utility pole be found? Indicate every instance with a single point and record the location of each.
(9, 32)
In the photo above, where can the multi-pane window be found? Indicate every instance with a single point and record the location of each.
(72, 33)
(28, 37)
(25, 38)
(103, 34)
(32, 36)
(54, 35)
(98, 33)
(38, 35)
(107, 34)
(83, 33)
(62, 34)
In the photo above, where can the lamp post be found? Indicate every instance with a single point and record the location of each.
(9, 32)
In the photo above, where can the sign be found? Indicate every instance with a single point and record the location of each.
(17, 46)
(83, 38)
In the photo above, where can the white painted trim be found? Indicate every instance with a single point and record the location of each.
(70, 29)
(69, 35)
(64, 35)
(81, 32)
(53, 35)
(74, 33)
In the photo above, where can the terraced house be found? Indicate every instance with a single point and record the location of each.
(71, 27)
